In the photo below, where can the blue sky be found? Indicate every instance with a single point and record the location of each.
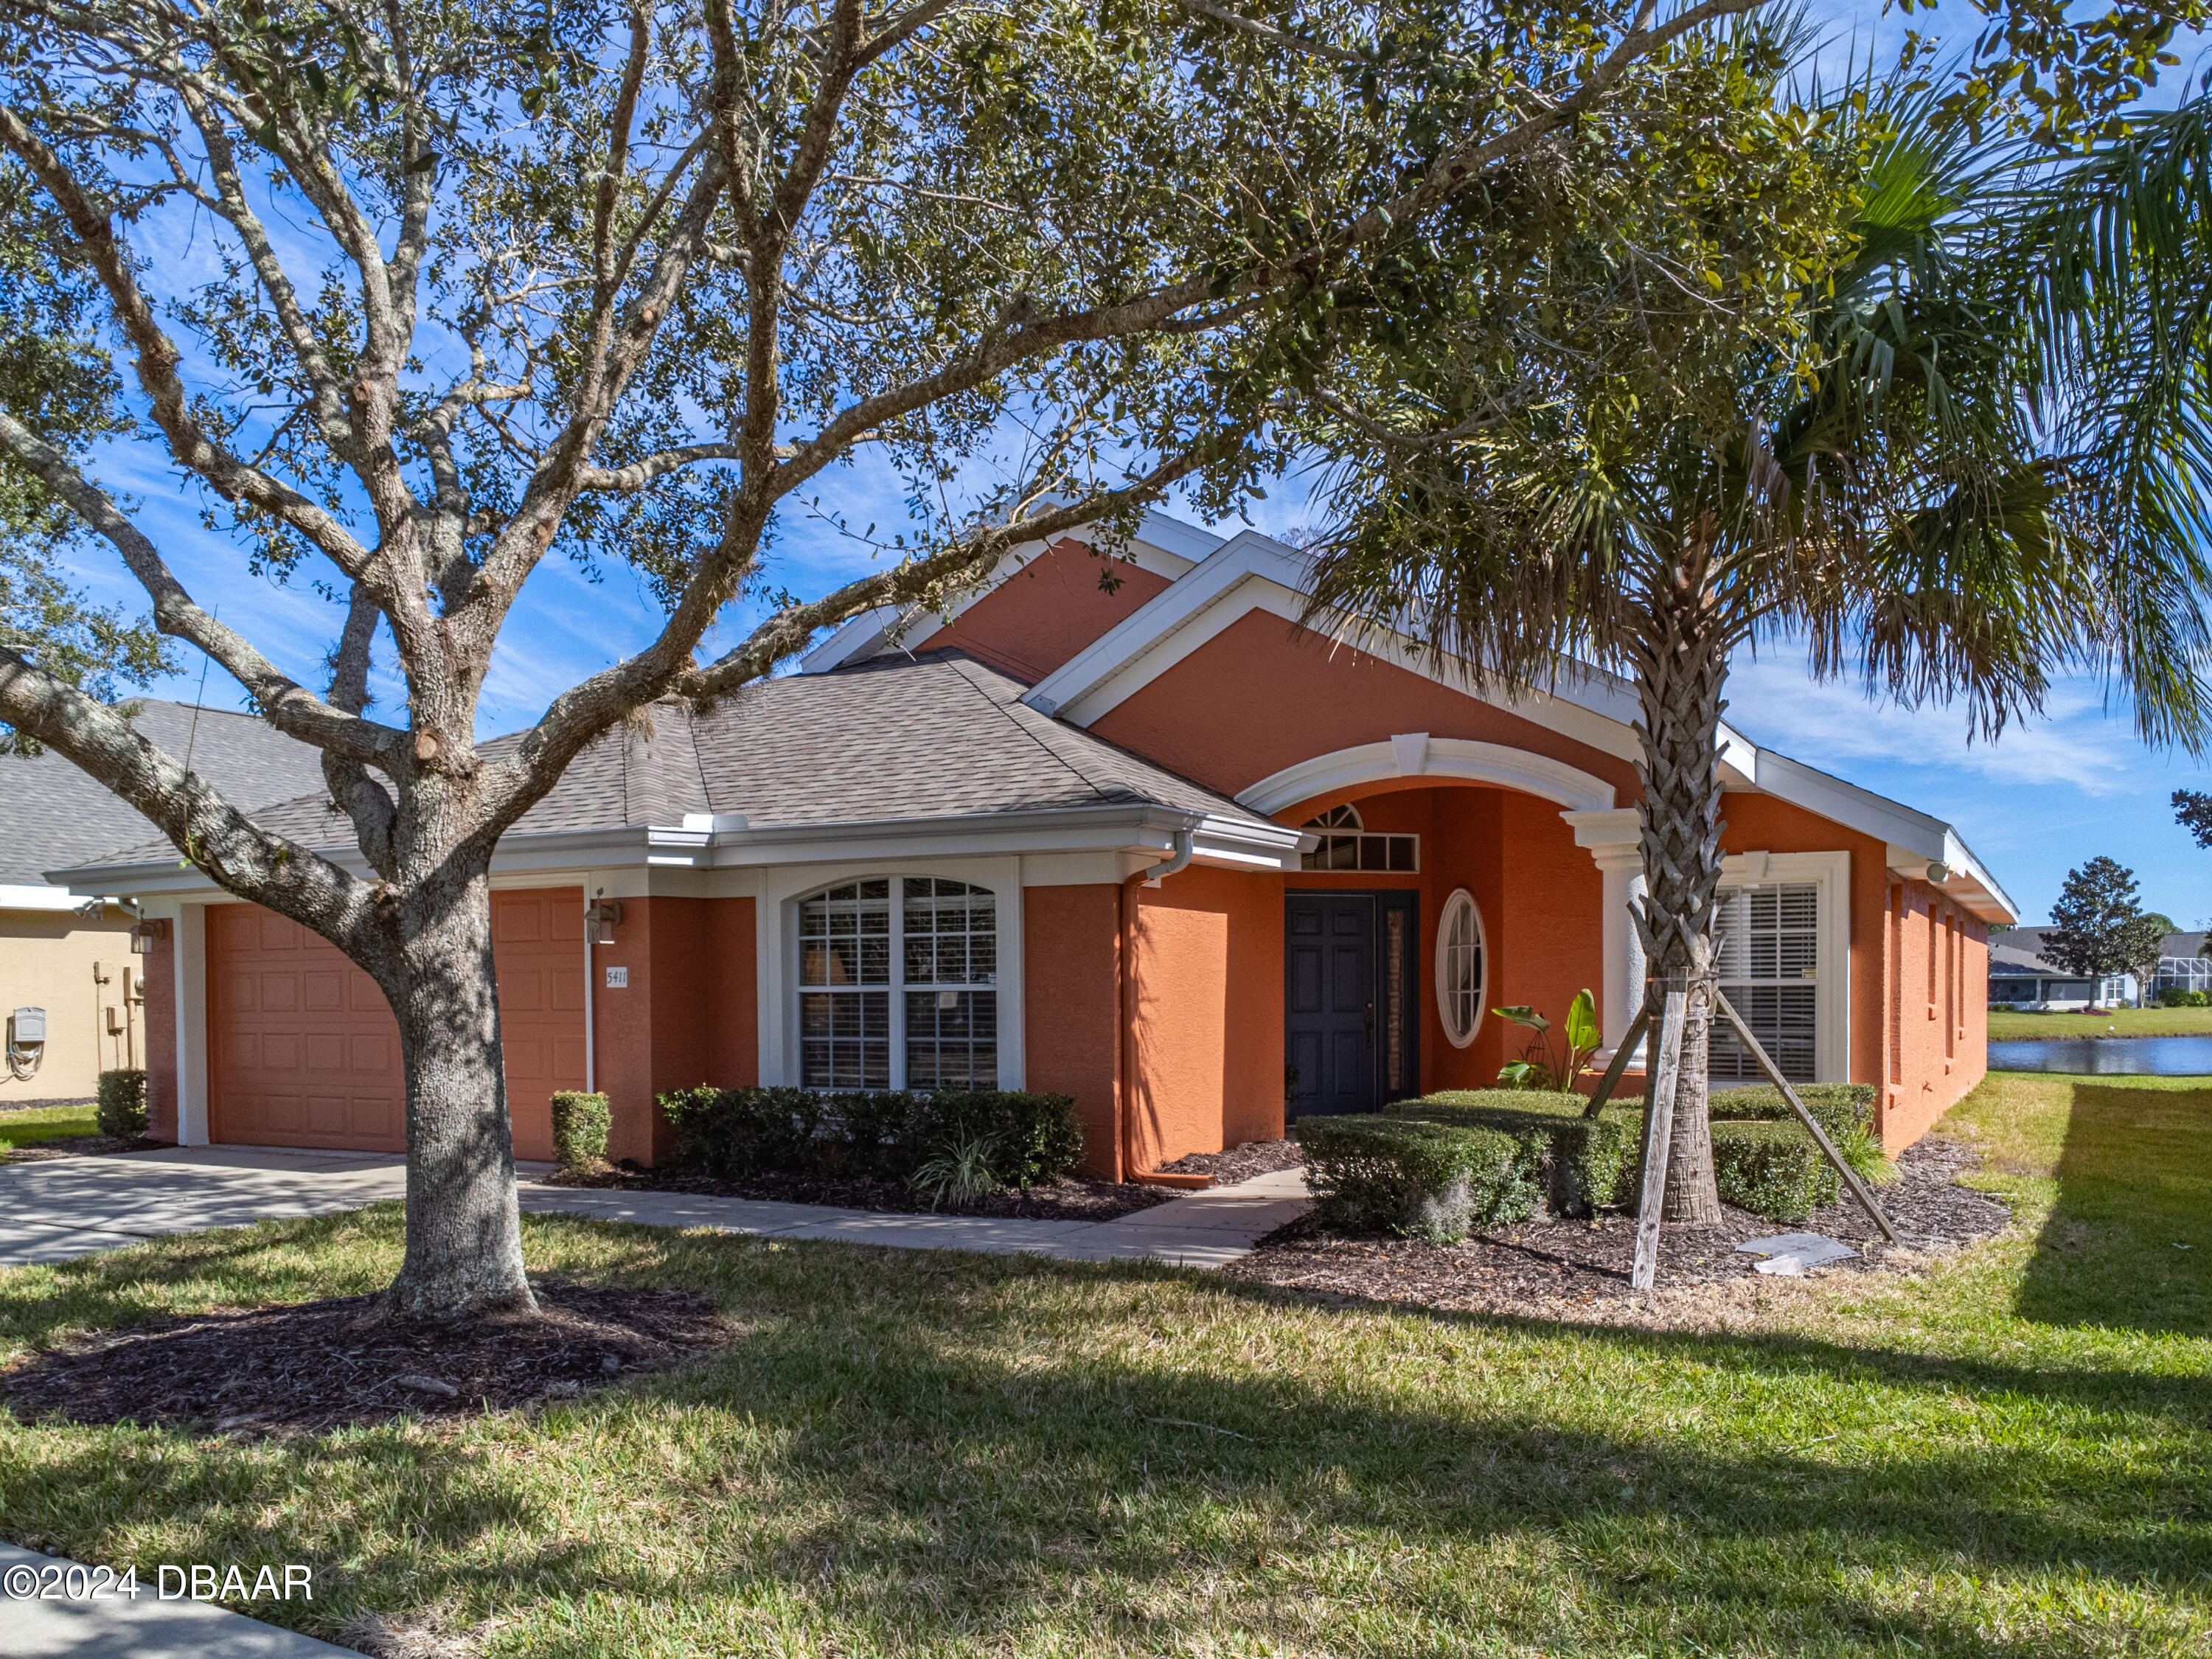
(2049, 794)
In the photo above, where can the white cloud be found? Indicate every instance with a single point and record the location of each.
(1775, 701)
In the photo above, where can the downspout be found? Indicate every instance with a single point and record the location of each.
(1185, 844)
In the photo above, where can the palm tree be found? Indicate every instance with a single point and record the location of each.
(1665, 437)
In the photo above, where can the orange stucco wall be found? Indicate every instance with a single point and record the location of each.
(688, 1015)
(1204, 1029)
(1937, 986)
(1049, 609)
(1254, 699)
(1071, 996)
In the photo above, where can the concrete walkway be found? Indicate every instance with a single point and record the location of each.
(63, 1207)
(33, 1627)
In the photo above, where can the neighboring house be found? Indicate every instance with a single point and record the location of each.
(2021, 976)
(68, 957)
(1155, 849)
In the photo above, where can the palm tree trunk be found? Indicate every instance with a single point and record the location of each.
(1683, 666)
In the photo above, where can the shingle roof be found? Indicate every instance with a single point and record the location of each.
(941, 736)
(54, 815)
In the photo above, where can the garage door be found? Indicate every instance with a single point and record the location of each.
(538, 942)
(302, 1050)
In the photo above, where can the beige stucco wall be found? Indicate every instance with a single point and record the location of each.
(48, 960)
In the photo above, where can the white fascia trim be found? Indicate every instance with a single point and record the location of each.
(1232, 842)
(13, 897)
(1910, 836)
(1459, 758)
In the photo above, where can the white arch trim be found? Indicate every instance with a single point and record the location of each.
(1418, 755)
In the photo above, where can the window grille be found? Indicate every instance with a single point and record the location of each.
(1345, 845)
(1769, 954)
(936, 950)
(1459, 969)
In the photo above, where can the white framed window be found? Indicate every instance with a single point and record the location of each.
(1782, 936)
(897, 985)
(1345, 844)
(1460, 966)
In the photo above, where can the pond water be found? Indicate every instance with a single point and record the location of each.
(2167, 1056)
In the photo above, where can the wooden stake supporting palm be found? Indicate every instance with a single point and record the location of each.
(1658, 1141)
(1859, 1189)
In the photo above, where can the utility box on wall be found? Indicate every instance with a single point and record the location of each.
(27, 1025)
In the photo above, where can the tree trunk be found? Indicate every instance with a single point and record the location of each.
(1678, 685)
(464, 1230)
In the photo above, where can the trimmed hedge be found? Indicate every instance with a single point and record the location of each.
(1438, 1182)
(122, 1109)
(1772, 1170)
(730, 1133)
(581, 1123)
(1573, 1163)
(1840, 1108)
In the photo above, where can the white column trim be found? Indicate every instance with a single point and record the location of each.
(188, 950)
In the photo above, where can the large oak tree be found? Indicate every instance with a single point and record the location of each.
(499, 282)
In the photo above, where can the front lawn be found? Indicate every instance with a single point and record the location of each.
(2007, 1027)
(904, 1453)
(27, 1128)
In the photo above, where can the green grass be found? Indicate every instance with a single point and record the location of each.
(40, 1123)
(2010, 1453)
(2118, 1022)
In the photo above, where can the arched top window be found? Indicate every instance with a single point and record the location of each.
(1459, 968)
(897, 978)
(1346, 844)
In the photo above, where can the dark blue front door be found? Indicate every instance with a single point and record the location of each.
(1329, 1003)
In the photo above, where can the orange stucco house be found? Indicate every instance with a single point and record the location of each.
(1152, 847)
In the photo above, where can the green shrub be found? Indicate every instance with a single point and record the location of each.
(581, 1123)
(2173, 996)
(1838, 1108)
(1773, 1169)
(1844, 1112)
(730, 1133)
(122, 1110)
(1438, 1181)
(1575, 1163)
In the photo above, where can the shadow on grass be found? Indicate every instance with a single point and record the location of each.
(2129, 1242)
(937, 1446)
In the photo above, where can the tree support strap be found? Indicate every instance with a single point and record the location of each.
(1859, 1189)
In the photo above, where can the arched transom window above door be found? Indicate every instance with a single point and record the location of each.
(897, 979)
(1348, 844)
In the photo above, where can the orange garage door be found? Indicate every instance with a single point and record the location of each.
(302, 1050)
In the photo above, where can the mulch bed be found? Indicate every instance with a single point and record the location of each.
(1254, 1158)
(318, 1366)
(1579, 1270)
(79, 1146)
(1069, 1199)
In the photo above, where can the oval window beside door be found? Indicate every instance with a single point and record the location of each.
(1459, 968)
